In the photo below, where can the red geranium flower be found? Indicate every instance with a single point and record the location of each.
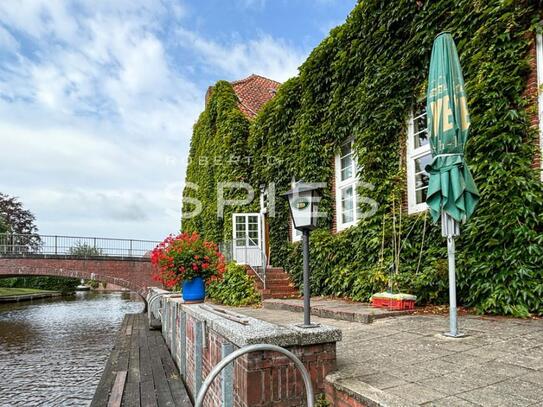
(183, 257)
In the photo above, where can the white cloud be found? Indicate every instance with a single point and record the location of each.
(267, 56)
(89, 119)
(96, 109)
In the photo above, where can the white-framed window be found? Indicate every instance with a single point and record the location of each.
(418, 156)
(539, 63)
(347, 213)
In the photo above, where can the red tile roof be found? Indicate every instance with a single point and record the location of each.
(253, 92)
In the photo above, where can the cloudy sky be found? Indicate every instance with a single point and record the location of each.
(98, 98)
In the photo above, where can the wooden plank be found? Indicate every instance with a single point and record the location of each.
(117, 391)
(131, 395)
(101, 394)
(177, 387)
(146, 372)
(164, 395)
(148, 396)
(134, 359)
(140, 371)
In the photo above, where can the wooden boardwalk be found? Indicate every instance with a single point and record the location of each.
(140, 371)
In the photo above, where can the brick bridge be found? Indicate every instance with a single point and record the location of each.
(123, 262)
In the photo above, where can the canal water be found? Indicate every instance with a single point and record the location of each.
(52, 352)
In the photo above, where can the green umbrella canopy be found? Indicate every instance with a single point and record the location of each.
(451, 186)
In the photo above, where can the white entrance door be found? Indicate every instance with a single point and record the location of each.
(246, 238)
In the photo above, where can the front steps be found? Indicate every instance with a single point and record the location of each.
(278, 284)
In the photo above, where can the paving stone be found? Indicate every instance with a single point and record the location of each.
(530, 359)
(452, 384)
(382, 380)
(496, 368)
(490, 397)
(486, 352)
(416, 393)
(450, 401)
(534, 377)
(518, 386)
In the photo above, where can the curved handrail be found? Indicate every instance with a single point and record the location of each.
(254, 348)
(154, 297)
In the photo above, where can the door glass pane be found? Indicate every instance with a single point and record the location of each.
(246, 231)
(253, 238)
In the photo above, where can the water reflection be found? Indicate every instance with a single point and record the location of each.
(52, 352)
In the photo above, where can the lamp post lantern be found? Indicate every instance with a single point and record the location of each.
(303, 201)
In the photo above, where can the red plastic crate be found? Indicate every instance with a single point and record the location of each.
(393, 303)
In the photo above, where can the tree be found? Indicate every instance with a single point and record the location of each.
(15, 217)
(3, 226)
(15, 220)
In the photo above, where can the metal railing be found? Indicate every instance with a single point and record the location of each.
(13, 244)
(256, 348)
(228, 249)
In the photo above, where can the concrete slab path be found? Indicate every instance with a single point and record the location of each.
(406, 361)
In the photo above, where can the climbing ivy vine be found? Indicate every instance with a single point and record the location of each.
(361, 82)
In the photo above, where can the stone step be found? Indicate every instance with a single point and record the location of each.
(276, 283)
(281, 295)
(283, 276)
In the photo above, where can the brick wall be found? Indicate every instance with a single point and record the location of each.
(258, 379)
(531, 93)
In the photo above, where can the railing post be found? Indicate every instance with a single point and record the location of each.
(130, 250)
(56, 250)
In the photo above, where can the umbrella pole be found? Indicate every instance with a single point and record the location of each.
(453, 322)
(450, 229)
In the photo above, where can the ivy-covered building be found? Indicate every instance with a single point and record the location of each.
(354, 119)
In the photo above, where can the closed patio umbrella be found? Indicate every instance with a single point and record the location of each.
(452, 193)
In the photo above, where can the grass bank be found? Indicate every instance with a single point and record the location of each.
(24, 294)
(6, 292)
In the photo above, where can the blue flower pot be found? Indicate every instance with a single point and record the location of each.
(194, 290)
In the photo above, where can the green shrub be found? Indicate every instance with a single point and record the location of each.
(41, 283)
(84, 250)
(236, 288)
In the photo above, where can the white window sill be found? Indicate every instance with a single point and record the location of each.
(412, 209)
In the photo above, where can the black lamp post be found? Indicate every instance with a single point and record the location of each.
(303, 201)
